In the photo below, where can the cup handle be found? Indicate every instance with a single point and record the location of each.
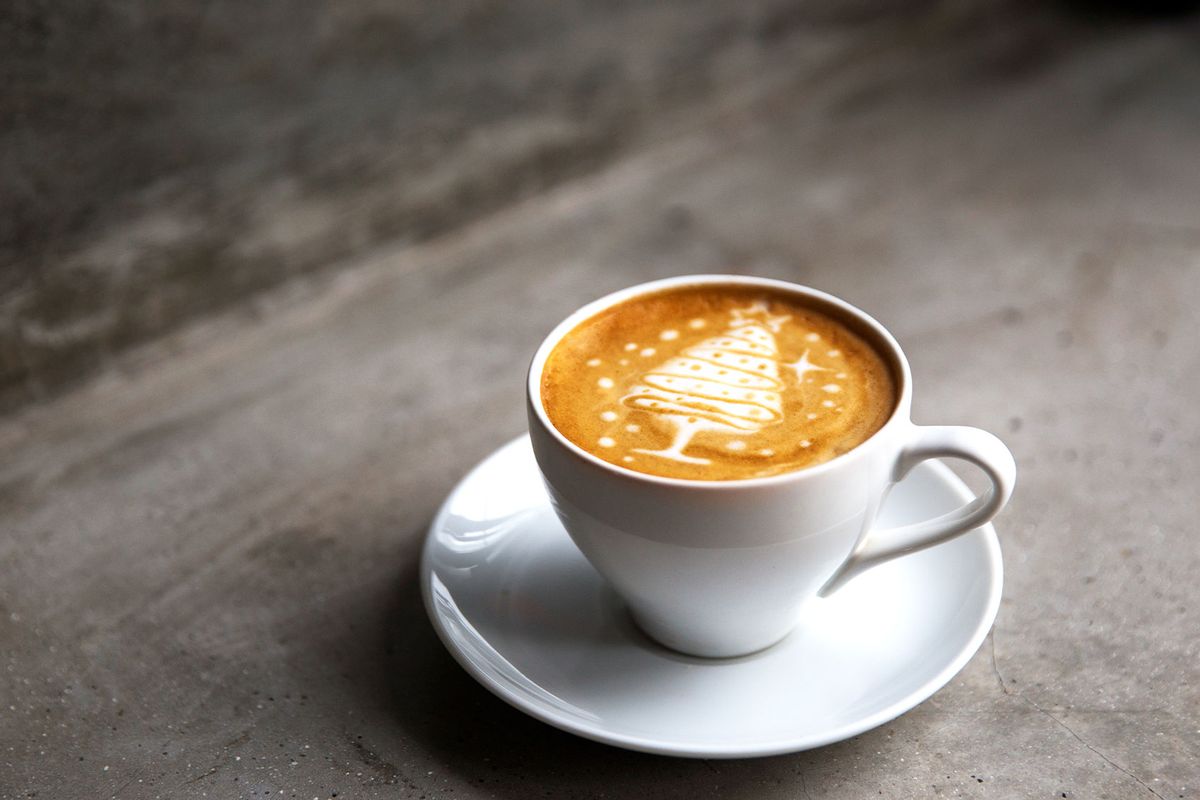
(936, 441)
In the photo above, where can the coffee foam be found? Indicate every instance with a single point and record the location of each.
(716, 382)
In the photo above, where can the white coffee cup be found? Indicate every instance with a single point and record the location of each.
(725, 568)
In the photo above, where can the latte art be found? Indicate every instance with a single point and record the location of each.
(729, 383)
(716, 383)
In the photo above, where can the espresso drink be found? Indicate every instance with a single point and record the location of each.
(716, 382)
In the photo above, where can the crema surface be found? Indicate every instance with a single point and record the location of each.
(716, 383)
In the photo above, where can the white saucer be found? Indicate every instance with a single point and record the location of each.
(522, 610)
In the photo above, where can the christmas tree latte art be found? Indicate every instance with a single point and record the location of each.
(729, 383)
(716, 382)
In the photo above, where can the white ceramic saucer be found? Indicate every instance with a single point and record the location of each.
(522, 610)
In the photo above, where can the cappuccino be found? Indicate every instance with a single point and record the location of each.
(716, 382)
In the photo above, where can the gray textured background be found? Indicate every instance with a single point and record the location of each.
(208, 548)
(163, 159)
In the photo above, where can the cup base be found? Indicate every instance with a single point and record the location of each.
(693, 645)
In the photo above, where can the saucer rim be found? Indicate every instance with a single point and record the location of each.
(658, 746)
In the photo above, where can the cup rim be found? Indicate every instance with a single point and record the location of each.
(534, 375)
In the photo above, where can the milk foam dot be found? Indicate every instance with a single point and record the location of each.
(633, 428)
(606, 441)
(811, 415)
(631, 346)
(605, 383)
(627, 459)
(669, 335)
(831, 388)
(649, 351)
(737, 444)
(624, 362)
(827, 403)
(840, 375)
(593, 362)
(608, 416)
(697, 324)
(805, 443)
(813, 337)
(766, 451)
(834, 353)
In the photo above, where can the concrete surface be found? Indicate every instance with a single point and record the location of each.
(208, 559)
(162, 159)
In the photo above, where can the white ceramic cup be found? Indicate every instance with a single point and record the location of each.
(724, 568)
